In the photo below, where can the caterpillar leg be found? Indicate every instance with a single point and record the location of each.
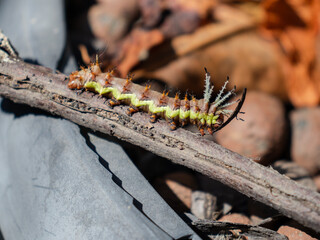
(201, 129)
(218, 122)
(183, 122)
(173, 125)
(80, 91)
(210, 131)
(113, 102)
(131, 110)
(153, 118)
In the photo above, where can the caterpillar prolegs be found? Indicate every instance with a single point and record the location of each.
(178, 112)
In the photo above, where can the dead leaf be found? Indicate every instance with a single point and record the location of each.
(295, 23)
(136, 47)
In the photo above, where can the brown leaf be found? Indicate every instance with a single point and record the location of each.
(135, 48)
(295, 23)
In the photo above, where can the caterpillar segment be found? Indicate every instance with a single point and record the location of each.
(177, 112)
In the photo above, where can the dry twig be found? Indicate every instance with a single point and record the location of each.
(236, 231)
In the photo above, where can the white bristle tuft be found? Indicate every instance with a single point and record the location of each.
(227, 111)
(208, 90)
(225, 97)
(222, 89)
(228, 104)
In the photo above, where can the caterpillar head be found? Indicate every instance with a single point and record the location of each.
(75, 81)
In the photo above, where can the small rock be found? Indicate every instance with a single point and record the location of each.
(305, 145)
(294, 234)
(176, 188)
(204, 205)
(235, 218)
(316, 181)
(262, 134)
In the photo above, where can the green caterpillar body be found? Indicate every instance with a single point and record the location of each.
(177, 112)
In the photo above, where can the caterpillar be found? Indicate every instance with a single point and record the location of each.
(178, 112)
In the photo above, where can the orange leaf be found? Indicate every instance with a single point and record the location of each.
(295, 23)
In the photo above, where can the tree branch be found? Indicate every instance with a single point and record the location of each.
(236, 230)
(40, 87)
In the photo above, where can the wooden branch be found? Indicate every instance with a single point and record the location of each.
(236, 230)
(40, 87)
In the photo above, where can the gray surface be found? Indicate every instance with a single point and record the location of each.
(36, 28)
(52, 186)
(137, 186)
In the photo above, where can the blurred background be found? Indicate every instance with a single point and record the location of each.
(270, 47)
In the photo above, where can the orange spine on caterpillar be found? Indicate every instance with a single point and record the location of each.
(201, 112)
